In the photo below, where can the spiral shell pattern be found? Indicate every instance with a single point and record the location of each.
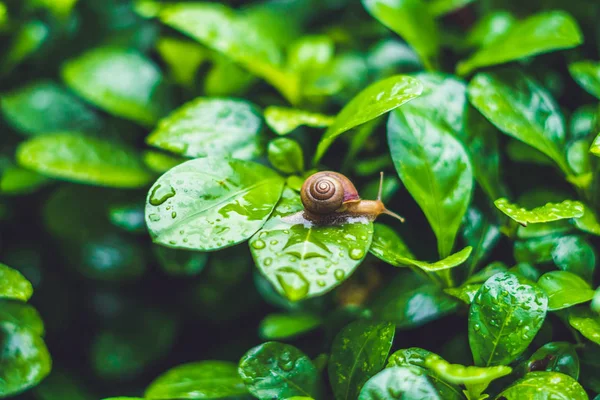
(325, 192)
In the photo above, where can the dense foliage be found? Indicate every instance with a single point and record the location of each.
(152, 240)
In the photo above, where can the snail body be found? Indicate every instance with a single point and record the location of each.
(328, 195)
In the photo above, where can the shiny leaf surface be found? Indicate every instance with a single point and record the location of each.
(13, 285)
(546, 213)
(587, 74)
(555, 386)
(564, 289)
(285, 120)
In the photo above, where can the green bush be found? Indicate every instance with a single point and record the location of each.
(157, 238)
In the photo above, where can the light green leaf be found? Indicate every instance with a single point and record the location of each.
(545, 32)
(411, 382)
(388, 246)
(564, 289)
(28, 39)
(546, 213)
(413, 21)
(504, 317)
(45, 106)
(285, 326)
(286, 155)
(211, 127)
(441, 7)
(120, 81)
(587, 74)
(553, 385)
(288, 243)
(586, 322)
(160, 162)
(595, 148)
(211, 203)
(377, 99)
(13, 285)
(276, 371)
(198, 380)
(490, 27)
(358, 352)
(453, 260)
(465, 293)
(226, 78)
(183, 57)
(588, 222)
(17, 314)
(285, 120)
(555, 357)
(19, 181)
(523, 109)
(83, 159)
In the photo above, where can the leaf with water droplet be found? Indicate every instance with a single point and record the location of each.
(554, 357)
(406, 382)
(285, 120)
(275, 370)
(218, 203)
(300, 251)
(564, 289)
(388, 246)
(546, 213)
(546, 385)
(586, 322)
(509, 311)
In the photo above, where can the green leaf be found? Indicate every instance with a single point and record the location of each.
(183, 57)
(28, 39)
(490, 27)
(24, 359)
(411, 382)
(60, 386)
(120, 81)
(358, 352)
(452, 261)
(441, 7)
(523, 109)
(481, 233)
(586, 322)
(413, 21)
(276, 371)
(285, 326)
(546, 213)
(436, 170)
(160, 162)
(285, 120)
(545, 32)
(128, 216)
(587, 74)
(180, 262)
(595, 306)
(83, 159)
(388, 246)
(288, 244)
(13, 285)
(550, 385)
(595, 148)
(17, 314)
(226, 78)
(564, 289)
(45, 106)
(504, 317)
(555, 357)
(198, 380)
(211, 127)
(211, 203)
(286, 155)
(377, 99)
(466, 293)
(16, 181)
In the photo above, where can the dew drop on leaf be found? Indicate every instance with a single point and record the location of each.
(356, 254)
(160, 194)
(258, 244)
(293, 283)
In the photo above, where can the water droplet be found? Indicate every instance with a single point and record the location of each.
(172, 241)
(258, 244)
(160, 194)
(321, 283)
(173, 215)
(154, 217)
(321, 271)
(268, 261)
(185, 240)
(339, 274)
(286, 232)
(273, 242)
(476, 327)
(356, 254)
(293, 283)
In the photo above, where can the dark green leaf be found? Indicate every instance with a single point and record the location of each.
(544, 385)
(16, 181)
(481, 233)
(286, 155)
(285, 326)
(587, 74)
(13, 285)
(409, 382)
(180, 262)
(555, 357)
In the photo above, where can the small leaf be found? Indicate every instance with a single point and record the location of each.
(15, 181)
(288, 243)
(587, 74)
(564, 289)
(555, 357)
(466, 293)
(160, 162)
(546, 213)
(413, 21)
(521, 108)
(574, 254)
(183, 57)
(595, 148)
(128, 216)
(377, 99)
(388, 246)
(452, 261)
(286, 155)
(358, 352)
(545, 32)
(198, 380)
(277, 371)
(554, 385)
(586, 322)
(83, 159)
(210, 127)
(411, 382)
(504, 317)
(285, 326)
(211, 203)
(441, 7)
(120, 81)
(13, 285)
(285, 120)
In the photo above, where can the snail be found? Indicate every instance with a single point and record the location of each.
(329, 195)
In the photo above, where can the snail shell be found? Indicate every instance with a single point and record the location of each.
(326, 192)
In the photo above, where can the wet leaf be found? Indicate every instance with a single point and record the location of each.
(587, 74)
(211, 127)
(465, 293)
(358, 352)
(554, 384)
(286, 155)
(480, 232)
(198, 380)
(504, 317)
(452, 261)
(411, 382)
(586, 322)
(211, 203)
(546, 213)
(555, 357)
(285, 120)
(564, 289)
(15, 313)
(288, 243)
(388, 246)
(595, 148)
(13, 285)
(285, 326)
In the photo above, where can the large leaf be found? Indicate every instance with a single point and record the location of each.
(413, 21)
(302, 259)
(83, 159)
(553, 385)
(546, 213)
(211, 203)
(545, 32)
(587, 74)
(210, 127)
(377, 99)
(13, 285)
(504, 317)
(278, 371)
(436, 170)
(198, 380)
(358, 352)
(285, 120)
(521, 108)
(123, 82)
(564, 289)
(411, 382)
(586, 322)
